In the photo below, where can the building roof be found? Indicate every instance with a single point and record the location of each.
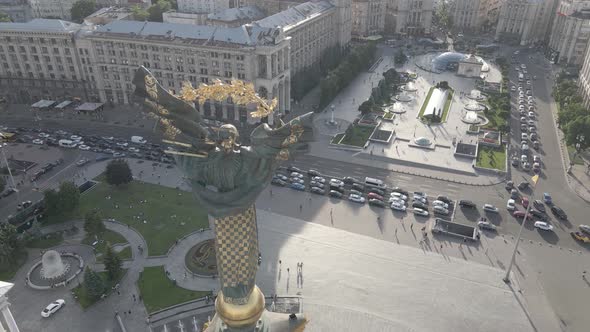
(242, 35)
(294, 16)
(5, 287)
(41, 25)
(250, 13)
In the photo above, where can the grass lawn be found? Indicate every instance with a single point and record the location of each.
(496, 121)
(125, 253)
(357, 135)
(336, 139)
(490, 157)
(159, 292)
(425, 102)
(107, 237)
(447, 105)
(169, 213)
(8, 272)
(44, 242)
(86, 301)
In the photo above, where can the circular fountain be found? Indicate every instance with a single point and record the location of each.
(397, 108)
(472, 117)
(52, 267)
(55, 269)
(404, 97)
(474, 106)
(410, 87)
(476, 95)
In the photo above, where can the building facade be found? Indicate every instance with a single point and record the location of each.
(234, 17)
(570, 32)
(177, 53)
(52, 8)
(528, 21)
(18, 10)
(408, 17)
(173, 16)
(7, 322)
(205, 6)
(584, 79)
(38, 60)
(475, 15)
(313, 29)
(368, 17)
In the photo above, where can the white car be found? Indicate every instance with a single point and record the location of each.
(297, 180)
(525, 147)
(420, 199)
(122, 144)
(84, 147)
(43, 135)
(398, 206)
(38, 141)
(524, 136)
(52, 308)
(108, 138)
(297, 175)
(75, 138)
(531, 115)
(399, 195)
(531, 123)
(440, 210)
(585, 228)
(513, 88)
(543, 225)
(536, 159)
(356, 198)
(484, 224)
(511, 205)
(336, 183)
(316, 184)
(441, 204)
(421, 212)
(318, 179)
(396, 200)
(528, 82)
(132, 149)
(490, 208)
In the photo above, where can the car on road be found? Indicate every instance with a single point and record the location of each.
(585, 228)
(399, 195)
(420, 212)
(356, 198)
(467, 204)
(437, 209)
(515, 161)
(38, 141)
(511, 205)
(524, 136)
(440, 203)
(376, 202)
(317, 190)
(53, 307)
(292, 168)
(419, 205)
(398, 206)
(84, 147)
(547, 198)
(538, 204)
(509, 185)
(580, 237)
(297, 186)
(483, 223)
(520, 215)
(335, 194)
(543, 225)
(82, 162)
(313, 172)
(525, 202)
(490, 208)
(296, 175)
(523, 185)
(374, 196)
(318, 179)
(316, 184)
(336, 183)
(278, 182)
(281, 176)
(558, 212)
(351, 180)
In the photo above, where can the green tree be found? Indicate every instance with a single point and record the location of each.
(4, 17)
(9, 244)
(51, 199)
(400, 57)
(366, 107)
(93, 283)
(93, 222)
(112, 263)
(577, 128)
(156, 10)
(69, 196)
(139, 13)
(81, 9)
(118, 172)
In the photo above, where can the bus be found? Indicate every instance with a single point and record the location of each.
(66, 143)
(376, 183)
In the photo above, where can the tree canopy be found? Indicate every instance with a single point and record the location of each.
(82, 8)
(93, 283)
(9, 244)
(62, 201)
(156, 10)
(93, 222)
(118, 172)
(139, 13)
(5, 17)
(573, 118)
(112, 263)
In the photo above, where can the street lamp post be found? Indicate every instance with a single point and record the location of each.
(526, 215)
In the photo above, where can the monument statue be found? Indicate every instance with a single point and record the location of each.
(226, 178)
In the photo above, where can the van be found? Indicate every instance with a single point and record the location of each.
(66, 143)
(138, 139)
(376, 183)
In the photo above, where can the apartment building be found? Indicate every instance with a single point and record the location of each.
(368, 17)
(177, 53)
(475, 15)
(528, 21)
(312, 27)
(205, 6)
(52, 8)
(38, 60)
(570, 32)
(408, 17)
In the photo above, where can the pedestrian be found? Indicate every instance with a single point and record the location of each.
(441, 246)
(129, 312)
(412, 226)
(300, 207)
(134, 298)
(331, 210)
(271, 192)
(280, 262)
(287, 270)
(116, 313)
(396, 231)
(118, 293)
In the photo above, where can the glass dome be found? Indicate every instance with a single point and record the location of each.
(423, 141)
(446, 59)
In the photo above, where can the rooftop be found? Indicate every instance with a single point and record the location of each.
(41, 25)
(242, 35)
(294, 16)
(233, 14)
(4, 287)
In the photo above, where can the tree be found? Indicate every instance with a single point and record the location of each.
(69, 196)
(81, 9)
(156, 10)
(139, 13)
(400, 57)
(366, 107)
(9, 244)
(93, 222)
(5, 17)
(51, 199)
(112, 263)
(93, 283)
(575, 130)
(118, 172)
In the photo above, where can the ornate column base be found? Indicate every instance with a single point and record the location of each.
(268, 322)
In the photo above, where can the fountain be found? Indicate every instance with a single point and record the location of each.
(476, 95)
(52, 265)
(473, 105)
(397, 108)
(55, 269)
(472, 117)
(404, 97)
(410, 87)
(332, 122)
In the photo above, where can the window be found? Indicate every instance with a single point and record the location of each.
(204, 71)
(60, 68)
(241, 76)
(227, 74)
(214, 54)
(67, 51)
(72, 69)
(55, 50)
(22, 49)
(226, 56)
(226, 65)
(57, 59)
(49, 67)
(33, 49)
(10, 48)
(145, 56)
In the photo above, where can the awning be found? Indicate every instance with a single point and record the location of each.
(43, 103)
(90, 107)
(63, 104)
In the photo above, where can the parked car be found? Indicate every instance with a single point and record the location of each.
(440, 203)
(318, 179)
(483, 223)
(490, 208)
(53, 307)
(538, 214)
(401, 191)
(297, 186)
(547, 198)
(38, 141)
(399, 195)
(419, 205)
(316, 184)
(335, 194)
(292, 168)
(376, 202)
(538, 204)
(511, 205)
(467, 204)
(444, 199)
(420, 199)
(525, 202)
(356, 192)
(358, 187)
(421, 212)
(580, 237)
(351, 180)
(281, 176)
(317, 190)
(297, 180)
(356, 198)
(377, 191)
(440, 210)
(336, 183)
(296, 175)
(313, 172)
(558, 212)
(514, 194)
(543, 225)
(398, 206)
(278, 182)
(520, 215)
(585, 228)
(375, 196)
(523, 185)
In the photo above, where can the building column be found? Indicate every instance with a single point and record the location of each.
(281, 97)
(268, 67)
(9, 319)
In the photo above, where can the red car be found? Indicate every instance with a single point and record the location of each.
(520, 215)
(525, 202)
(375, 196)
